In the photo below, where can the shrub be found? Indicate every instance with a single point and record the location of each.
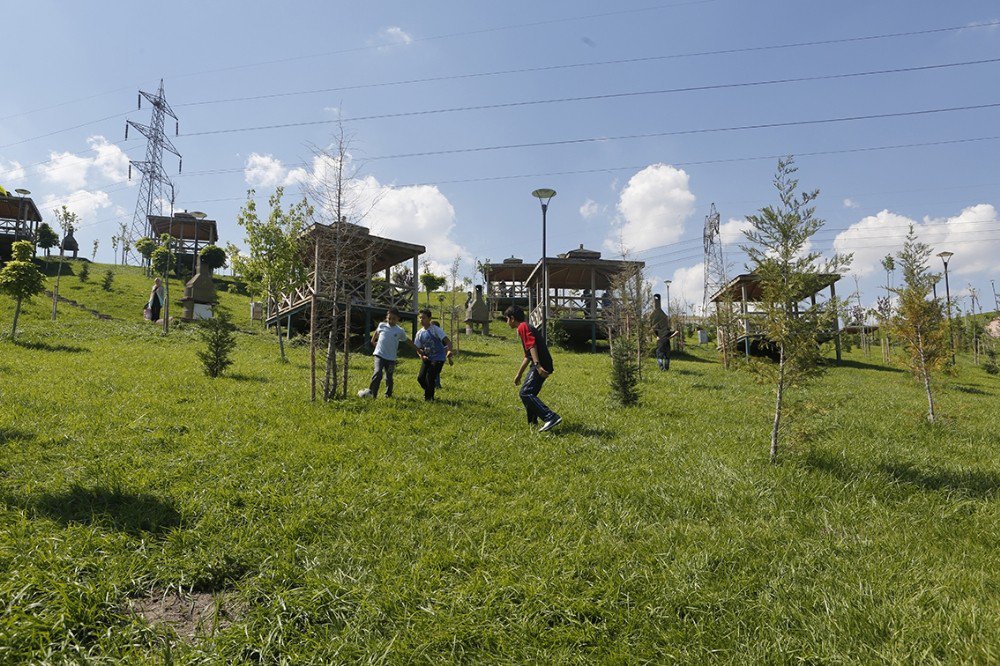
(990, 365)
(84, 273)
(217, 334)
(557, 334)
(213, 257)
(624, 373)
(109, 278)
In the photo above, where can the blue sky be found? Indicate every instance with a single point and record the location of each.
(80, 65)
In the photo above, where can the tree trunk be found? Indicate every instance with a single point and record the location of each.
(927, 379)
(17, 313)
(347, 344)
(329, 376)
(777, 404)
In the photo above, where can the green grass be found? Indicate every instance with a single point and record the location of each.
(398, 531)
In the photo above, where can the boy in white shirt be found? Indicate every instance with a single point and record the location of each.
(386, 339)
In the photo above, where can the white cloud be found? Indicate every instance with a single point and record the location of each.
(687, 286)
(85, 203)
(653, 206)
(111, 161)
(731, 232)
(390, 37)
(11, 171)
(418, 214)
(850, 203)
(263, 171)
(965, 234)
(589, 209)
(66, 169)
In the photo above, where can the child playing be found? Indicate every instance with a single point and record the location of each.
(436, 348)
(435, 322)
(536, 354)
(386, 339)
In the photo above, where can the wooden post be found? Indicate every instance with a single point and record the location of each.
(746, 320)
(312, 321)
(416, 292)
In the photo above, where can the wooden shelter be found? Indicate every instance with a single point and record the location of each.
(505, 283)
(190, 234)
(19, 220)
(745, 292)
(364, 264)
(575, 278)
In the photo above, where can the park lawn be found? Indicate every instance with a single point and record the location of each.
(399, 531)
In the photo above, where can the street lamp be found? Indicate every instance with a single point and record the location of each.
(945, 256)
(667, 282)
(544, 195)
(23, 213)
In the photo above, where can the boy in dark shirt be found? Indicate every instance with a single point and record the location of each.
(536, 355)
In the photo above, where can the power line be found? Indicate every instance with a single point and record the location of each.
(622, 61)
(604, 96)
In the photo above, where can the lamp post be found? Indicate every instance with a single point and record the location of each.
(544, 195)
(945, 256)
(198, 217)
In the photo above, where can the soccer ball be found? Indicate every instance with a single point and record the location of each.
(365, 393)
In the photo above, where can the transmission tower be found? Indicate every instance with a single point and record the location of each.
(715, 265)
(155, 181)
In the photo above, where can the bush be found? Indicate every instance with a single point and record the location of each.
(557, 334)
(217, 334)
(109, 278)
(84, 273)
(990, 365)
(624, 373)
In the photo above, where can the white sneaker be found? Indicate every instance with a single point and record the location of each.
(549, 425)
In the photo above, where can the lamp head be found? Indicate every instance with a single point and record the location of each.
(945, 256)
(197, 214)
(544, 194)
(23, 192)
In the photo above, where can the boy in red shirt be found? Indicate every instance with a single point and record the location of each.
(536, 355)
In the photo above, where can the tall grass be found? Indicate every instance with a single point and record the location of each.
(404, 531)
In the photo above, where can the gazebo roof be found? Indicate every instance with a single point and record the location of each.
(511, 269)
(574, 273)
(18, 208)
(387, 252)
(185, 227)
(733, 290)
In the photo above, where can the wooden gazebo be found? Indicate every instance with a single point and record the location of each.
(190, 234)
(745, 291)
(505, 283)
(19, 220)
(366, 273)
(575, 278)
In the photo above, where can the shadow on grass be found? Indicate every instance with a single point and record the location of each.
(14, 435)
(240, 377)
(684, 356)
(582, 430)
(971, 482)
(468, 353)
(114, 508)
(859, 365)
(974, 483)
(45, 346)
(971, 390)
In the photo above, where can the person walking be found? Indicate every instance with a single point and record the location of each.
(386, 339)
(538, 362)
(155, 302)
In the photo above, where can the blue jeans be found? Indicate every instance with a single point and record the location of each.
(535, 408)
(430, 371)
(388, 367)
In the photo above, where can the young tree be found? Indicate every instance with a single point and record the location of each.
(919, 324)
(145, 247)
(624, 320)
(213, 257)
(47, 238)
(218, 335)
(20, 279)
(779, 254)
(273, 264)
(162, 260)
(66, 219)
(93, 255)
(430, 281)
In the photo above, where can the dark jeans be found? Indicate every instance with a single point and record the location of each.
(430, 371)
(663, 354)
(535, 408)
(155, 312)
(382, 365)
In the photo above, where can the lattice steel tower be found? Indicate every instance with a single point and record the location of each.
(155, 182)
(715, 265)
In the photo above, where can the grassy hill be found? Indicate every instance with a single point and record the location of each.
(399, 531)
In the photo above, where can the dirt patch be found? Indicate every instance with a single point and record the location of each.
(191, 615)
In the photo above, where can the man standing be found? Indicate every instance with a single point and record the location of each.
(536, 355)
